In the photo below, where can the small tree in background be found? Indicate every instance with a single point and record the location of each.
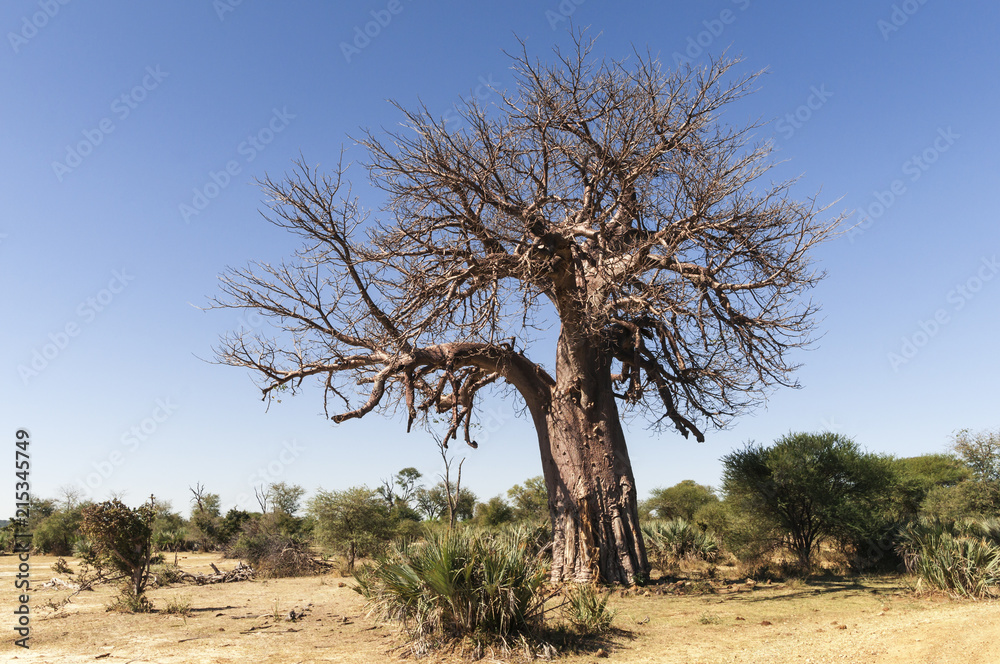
(680, 501)
(530, 500)
(494, 512)
(400, 494)
(401, 487)
(433, 502)
(232, 524)
(59, 531)
(811, 486)
(169, 528)
(286, 498)
(123, 537)
(920, 476)
(354, 522)
(205, 517)
(981, 453)
(285, 501)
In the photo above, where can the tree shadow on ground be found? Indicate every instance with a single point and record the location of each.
(817, 587)
(599, 645)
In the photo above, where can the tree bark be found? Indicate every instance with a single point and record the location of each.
(592, 496)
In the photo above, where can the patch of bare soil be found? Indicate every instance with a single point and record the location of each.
(878, 622)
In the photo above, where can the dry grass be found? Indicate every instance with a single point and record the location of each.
(833, 620)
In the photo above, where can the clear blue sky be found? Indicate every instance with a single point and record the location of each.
(113, 116)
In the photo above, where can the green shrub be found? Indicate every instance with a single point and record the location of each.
(587, 609)
(810, 487)
(680, 501)
(961, 557)
(121, 537)
(60, 567)
(668, 543)
(58, 533)
(463, 584)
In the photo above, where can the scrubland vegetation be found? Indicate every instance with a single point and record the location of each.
(805, 508)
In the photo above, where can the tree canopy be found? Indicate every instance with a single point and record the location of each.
(811, 485)
(602, 198)
(680, 501)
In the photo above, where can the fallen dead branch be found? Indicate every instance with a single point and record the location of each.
(239, 573)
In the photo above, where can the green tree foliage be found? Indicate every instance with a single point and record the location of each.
(918, 476)
(981, 453)
(286, 498)
(979, 495)
(968, 499)
(58, 531)
(433, 502)
(680, 501)
(530, 500)
(169, 528)
(753, 539)
(232, 524)
(285, 501)
(39, 509)
(205, 517)
(401, 487)
(812, 486)
(354, 522)
(400, 494)
(123, 538)
(493, 512)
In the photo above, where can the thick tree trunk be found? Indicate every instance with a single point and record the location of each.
(592, 495)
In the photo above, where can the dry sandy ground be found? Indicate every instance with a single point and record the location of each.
(878, 622)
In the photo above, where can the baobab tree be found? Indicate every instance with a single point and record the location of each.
(604, 199)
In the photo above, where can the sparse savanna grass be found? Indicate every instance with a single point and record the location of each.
(178, 605)
(708, 618)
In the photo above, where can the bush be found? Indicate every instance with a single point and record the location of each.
(494, 512)
(272, 553)
(970, 498)
(668, 543)
(530, 500)
(961, 557)
(129, 601)
(750, 538)
(179, 606)
(57, 533)
(587, 610)
(461, 584)
(121, 538)
(60, 567)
